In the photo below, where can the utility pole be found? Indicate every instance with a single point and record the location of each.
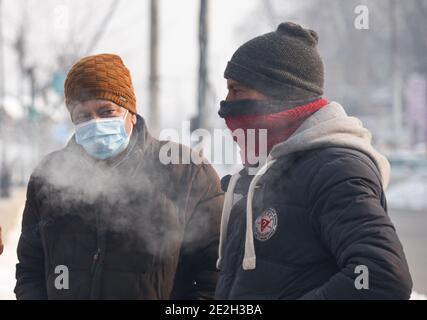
(153, 97)
(33, 113)
(4, 171)
(395, 71)
(2, 80)
(203, 84)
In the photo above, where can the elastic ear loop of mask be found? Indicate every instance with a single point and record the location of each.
(131, 128)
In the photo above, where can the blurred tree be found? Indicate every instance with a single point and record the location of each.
(153, 103)
(359, 61)
(41, 73)
(366, 70)
(201, 119)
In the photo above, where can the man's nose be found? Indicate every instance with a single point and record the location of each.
(229, 97)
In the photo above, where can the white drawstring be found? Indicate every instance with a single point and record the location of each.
(249, 260)
(226, 210)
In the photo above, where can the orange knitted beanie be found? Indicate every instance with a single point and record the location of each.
(102, 76)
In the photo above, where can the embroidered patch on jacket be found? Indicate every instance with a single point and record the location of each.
(266, 224)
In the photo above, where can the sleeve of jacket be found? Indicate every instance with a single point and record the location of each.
(197, 274)
(353, 224)
(30, 273)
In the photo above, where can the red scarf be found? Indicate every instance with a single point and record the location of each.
(280, 126)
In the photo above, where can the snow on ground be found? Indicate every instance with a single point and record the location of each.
(417, 296)
(8, 261)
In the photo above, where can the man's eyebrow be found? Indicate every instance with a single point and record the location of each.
(109, 106)
(237, 85)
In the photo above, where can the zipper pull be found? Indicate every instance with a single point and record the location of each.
(95, 260)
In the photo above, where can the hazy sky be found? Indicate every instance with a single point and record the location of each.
(127, 35)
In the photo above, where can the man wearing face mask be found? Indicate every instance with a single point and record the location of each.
(104, 218)
(312, 222)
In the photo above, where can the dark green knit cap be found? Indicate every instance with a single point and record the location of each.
(283, 64)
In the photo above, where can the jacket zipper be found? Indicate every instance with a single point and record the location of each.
(95, 260)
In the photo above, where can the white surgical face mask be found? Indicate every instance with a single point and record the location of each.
(103, 138)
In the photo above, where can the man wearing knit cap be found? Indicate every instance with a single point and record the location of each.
(104, 218)
(312, 222)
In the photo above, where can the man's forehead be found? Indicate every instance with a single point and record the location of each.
(93, 105)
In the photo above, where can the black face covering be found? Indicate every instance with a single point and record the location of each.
(257, 107)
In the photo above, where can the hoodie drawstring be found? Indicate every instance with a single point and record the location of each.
(226, 210)
(249, 260)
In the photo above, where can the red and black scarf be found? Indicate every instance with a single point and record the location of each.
(279, 121)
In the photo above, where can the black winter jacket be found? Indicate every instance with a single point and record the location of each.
(315, 219)
(131, 229)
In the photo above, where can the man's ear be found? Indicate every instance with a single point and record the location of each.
(134, 118)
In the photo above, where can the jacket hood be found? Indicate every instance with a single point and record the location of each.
(332, 127)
